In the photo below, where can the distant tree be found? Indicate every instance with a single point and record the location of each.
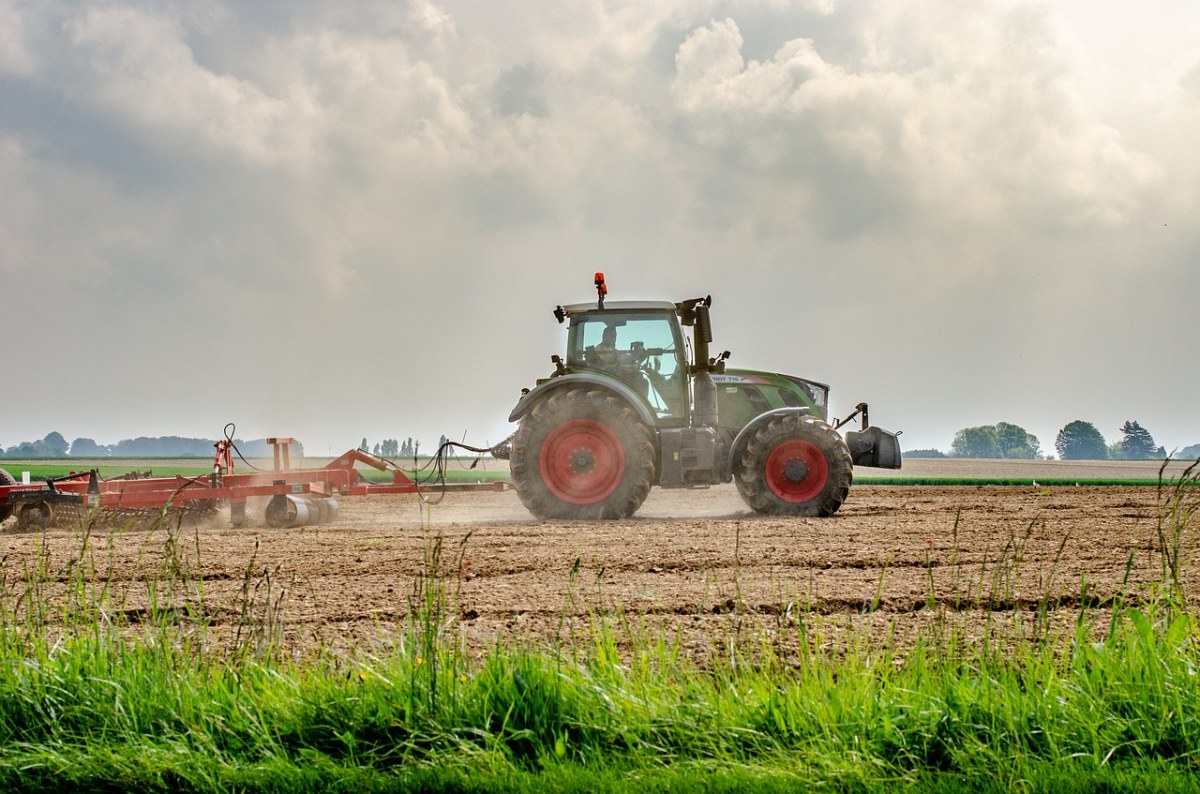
(1136, 443)
(363, 446)
(30, 449)
(56, 444)
(924, 453)
(1001, 440)
(259, 448)
(254, 448)
(406, 448)
(52, 446)
(389, 448)
(1013, 442)
(86, 448)
(975, 442)
(164, 447)
(376, 450)
(1189, 453)
(441, 442)
(1080, 440)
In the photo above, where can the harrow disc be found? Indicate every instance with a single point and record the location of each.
(6, 479)
(35, 516)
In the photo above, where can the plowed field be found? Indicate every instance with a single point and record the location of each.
(694, 564)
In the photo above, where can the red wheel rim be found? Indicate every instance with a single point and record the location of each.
(582, 462)
(797, 470)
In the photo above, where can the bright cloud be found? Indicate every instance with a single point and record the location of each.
(907, 199)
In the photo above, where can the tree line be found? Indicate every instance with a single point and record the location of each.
(392, 448)
(54, 445)
(1077, 440)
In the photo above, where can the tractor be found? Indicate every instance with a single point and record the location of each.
(627, 410)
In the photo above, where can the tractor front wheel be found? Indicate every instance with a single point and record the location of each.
(795, 465)
(582, 454)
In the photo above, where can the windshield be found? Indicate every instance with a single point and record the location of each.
(642, 349)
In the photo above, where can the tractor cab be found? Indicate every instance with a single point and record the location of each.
(638, 342)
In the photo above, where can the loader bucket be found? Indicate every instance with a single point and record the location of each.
(874, 447)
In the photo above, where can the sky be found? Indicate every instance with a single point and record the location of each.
(335, 221)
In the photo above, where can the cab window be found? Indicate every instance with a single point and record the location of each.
(641, 351)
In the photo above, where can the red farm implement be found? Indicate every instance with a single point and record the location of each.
(294, 497)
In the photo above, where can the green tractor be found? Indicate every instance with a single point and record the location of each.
(627, 410)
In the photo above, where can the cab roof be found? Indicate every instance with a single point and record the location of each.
(573, 309)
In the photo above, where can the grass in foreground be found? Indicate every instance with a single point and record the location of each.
(90, 699)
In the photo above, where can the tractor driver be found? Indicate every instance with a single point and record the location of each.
(606, 351)
(624, 364)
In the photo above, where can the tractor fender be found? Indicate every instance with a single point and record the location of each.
(746, 433)
(618, 387)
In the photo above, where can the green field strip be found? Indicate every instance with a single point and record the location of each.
(42, 472)
(1033, 482)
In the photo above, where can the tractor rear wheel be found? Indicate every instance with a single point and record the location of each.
(795, 465)
(582, 454)
(6, 479)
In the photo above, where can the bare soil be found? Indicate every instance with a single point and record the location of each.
(693, 565)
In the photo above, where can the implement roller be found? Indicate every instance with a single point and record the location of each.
(297, 497)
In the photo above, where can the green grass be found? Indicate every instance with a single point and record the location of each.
(41, 471)
(1028, 481)
(457, 471)
(426, 477)
(92, 698)
(463, 475)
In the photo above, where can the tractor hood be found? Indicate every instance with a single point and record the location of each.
(812, 393)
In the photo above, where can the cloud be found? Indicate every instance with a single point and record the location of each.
(16, 57)
(136, 66)
(315, 194)
(984, 136)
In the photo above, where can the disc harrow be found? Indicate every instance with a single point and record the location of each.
(294, 497)
(72, 515)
